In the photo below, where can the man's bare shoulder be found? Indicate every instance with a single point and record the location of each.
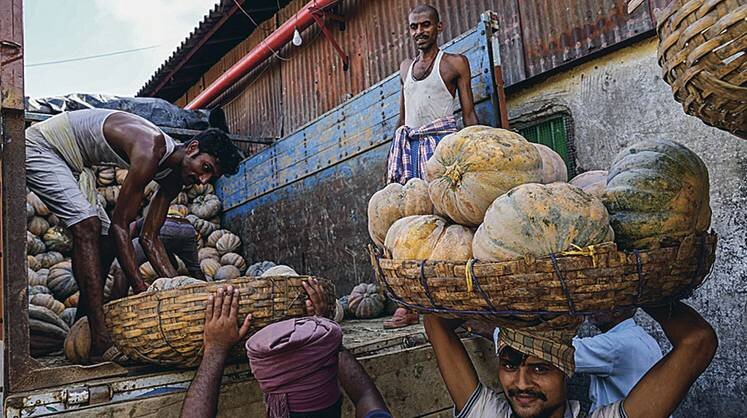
(456, 61)
(404, 67)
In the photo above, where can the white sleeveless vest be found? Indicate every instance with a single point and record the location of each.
(428, 99)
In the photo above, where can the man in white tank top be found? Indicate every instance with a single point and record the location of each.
(430, 84)
(60, 153)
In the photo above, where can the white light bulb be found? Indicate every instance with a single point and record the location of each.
(297, 40)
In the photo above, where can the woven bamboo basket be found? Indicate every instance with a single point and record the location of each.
(554, 292)
(166, 327)
(703, 56)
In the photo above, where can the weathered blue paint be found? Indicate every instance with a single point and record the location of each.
(303, 201)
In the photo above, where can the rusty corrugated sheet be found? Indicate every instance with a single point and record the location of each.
(536, 36)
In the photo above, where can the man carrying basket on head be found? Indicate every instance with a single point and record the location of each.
(430, 83)
(60, 154)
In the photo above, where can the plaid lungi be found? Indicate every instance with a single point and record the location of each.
(555, 347)
(400, 164)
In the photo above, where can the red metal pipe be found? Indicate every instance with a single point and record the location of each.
(276, 40)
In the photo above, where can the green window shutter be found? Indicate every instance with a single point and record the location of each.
(551, 133)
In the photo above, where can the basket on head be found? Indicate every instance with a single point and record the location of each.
(553, 292)
(166, 327)
(703, 56)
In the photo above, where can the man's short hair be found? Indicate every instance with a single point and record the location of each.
(215, 142)
(426, 8)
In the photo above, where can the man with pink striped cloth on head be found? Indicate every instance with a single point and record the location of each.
(430, 84)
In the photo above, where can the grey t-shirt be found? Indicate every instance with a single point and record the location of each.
(486, 403)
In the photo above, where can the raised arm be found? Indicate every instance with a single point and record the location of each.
(464, 88)
(359, 387)
(221, 334)
(694, 343)
(454, 363)
(149, 236)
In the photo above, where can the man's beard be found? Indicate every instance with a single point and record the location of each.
(546, 412)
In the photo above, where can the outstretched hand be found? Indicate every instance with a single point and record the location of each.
(221, 332)
(316, 304)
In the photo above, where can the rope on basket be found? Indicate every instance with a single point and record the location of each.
(424, 283)
(380, 272)
(571, 305)
(589, 251)
(472, 279)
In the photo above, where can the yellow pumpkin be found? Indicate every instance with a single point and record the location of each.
(147, 273)
(428, 237)
(540, 219)
(47, 301)
(471, 168)
(72, 300)
(592, 182)
(215, 236)
(209, 267)
(553, 166)
(396, 201)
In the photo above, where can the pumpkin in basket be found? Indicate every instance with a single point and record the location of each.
(77, 345)
(553, 166)
(471, 168)
(208, 252)
(39, 207)
(106, 176)
(33, 263)
(234, 260)
(206, 206)
(366, 301)
(120, 174)
(48, 259)
(227, 243)
(167, 283)
(61, 280)
(256, 269)
(227, 273)
(657, 191)
(33, 244)
(540, 219)
(37, 226)
(428, 237)
(147, 272)
(279, 270)
(59, 239)
(72, 300)
(592, 182)
(34, 279)
(47, 301)
(209, 267)
(396, 201)
(47, 331)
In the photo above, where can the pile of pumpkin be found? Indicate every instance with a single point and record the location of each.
(491, 195)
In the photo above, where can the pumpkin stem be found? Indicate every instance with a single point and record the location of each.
(454, 173)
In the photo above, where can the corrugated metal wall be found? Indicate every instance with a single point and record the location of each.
(303, 83)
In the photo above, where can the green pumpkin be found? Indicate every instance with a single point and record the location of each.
(366, 301)
(48, 259)
(61, 280)
(34, 245)
(540, 219)
(58, 239)
(657, 192)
